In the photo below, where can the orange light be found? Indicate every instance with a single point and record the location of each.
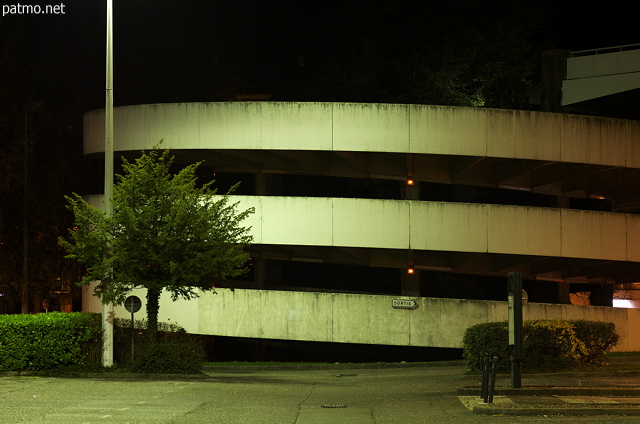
(410, 181)
(411, 271)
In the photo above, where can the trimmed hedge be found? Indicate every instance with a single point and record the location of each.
(49, 340)
(547, 345)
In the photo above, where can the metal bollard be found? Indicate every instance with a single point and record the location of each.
(492, 384)
(484, 388)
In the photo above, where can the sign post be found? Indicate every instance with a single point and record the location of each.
(133, 305)
(515, 327)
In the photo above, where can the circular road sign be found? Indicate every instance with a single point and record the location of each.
(132, 304)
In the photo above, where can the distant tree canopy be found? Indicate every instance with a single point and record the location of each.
(465, 53)
(30, 125)
(165, 234)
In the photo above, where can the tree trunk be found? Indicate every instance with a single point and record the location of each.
(153, 305)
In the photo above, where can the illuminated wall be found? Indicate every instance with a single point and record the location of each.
(566, 157)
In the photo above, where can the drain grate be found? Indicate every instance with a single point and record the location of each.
(334, 405)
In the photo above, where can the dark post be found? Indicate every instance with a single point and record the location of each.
(515, 327)
(132, 335)
(484, 389)
(132, 304)
(492, 383)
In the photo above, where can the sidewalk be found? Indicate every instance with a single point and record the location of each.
(572, 393)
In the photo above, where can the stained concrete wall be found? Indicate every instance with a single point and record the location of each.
(370, 127)
(361, 318)
(439, 226)
(462, 227)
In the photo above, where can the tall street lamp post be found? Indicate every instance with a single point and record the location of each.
(107, 307)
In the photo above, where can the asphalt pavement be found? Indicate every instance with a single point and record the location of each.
(343, 394)
(568, 394)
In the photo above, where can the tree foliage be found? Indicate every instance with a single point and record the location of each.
(457, 53)
(166, 233)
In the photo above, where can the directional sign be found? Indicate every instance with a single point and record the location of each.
(404, 304)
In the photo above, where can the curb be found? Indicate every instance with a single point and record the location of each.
(207, 370)
(556, 391)
(104, 375)
(337, 366)
(606, 410)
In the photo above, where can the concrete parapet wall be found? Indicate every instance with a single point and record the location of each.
(370, 127)
(371, 319)
(442, 226)
(362, 318)
(439, 226)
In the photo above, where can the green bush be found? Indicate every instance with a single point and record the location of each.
(547, 345)
(174, 353)
(491, 338)
(48, 341)
(598, 337)
(550, 345)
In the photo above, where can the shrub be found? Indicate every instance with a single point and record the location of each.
(174, 353)
(598, 337)
(550, 345)
(491, 338)
(547, 345)
(47, 341)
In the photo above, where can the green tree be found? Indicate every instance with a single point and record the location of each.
(457, 53)
(166, 233)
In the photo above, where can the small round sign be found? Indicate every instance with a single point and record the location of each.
(132, 304)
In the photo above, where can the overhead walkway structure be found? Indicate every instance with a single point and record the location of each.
(601, 82)
(598, 73)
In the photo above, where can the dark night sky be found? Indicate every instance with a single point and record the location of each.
(169, 50)
(207, 50)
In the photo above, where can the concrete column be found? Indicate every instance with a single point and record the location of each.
(411, 192)
(563, 202)
(563, 293)
(273, 273)
(260, 272)
(602, 295)
(411, 283)
(268, 184)
(553, 71)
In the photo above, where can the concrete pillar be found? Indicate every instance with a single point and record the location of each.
(553, 71)
(260, 272)
(411, 283)
(563, 293)
(411, 191)
(273, 273)
(268, 184)
(602, 295)
(563, 202)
